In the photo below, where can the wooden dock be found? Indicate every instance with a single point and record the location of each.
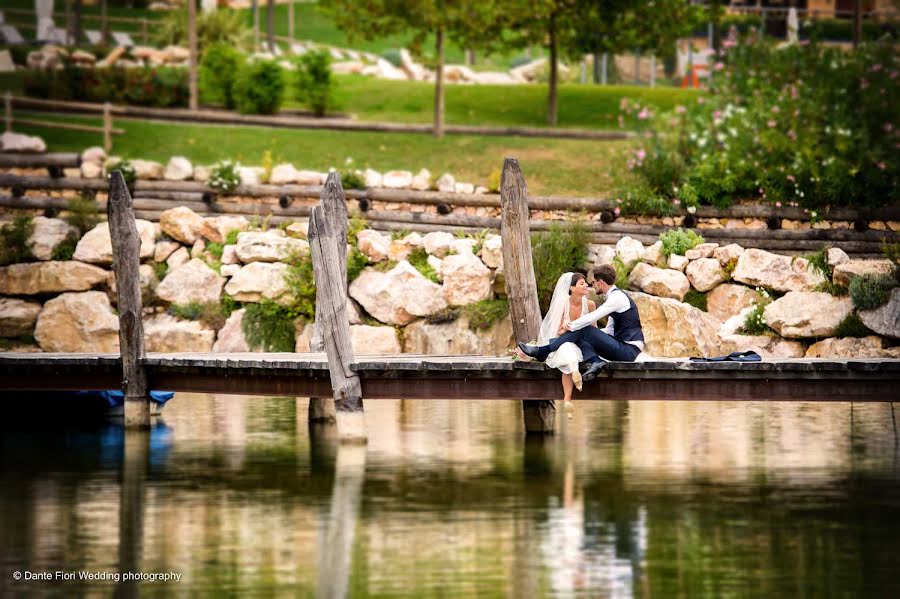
(408, 376)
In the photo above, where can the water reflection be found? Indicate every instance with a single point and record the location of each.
(243, 495)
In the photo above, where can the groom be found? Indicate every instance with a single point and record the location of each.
(621, 340)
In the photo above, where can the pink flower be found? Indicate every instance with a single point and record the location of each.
(796, 113)
(680, 109)
(676, 202)
(771, 123)
(617, 210)
(888, 127)
(894, 74)
(719, 66)
(790, 178)
(881, 166)
(794, 93)
(775, 110)
(623, 103)
(876, 67)
(717, 115)
(729, 44)
(864, 83)
(644, 114)
(641, 154)
(792, 135)
(700, 100)
(778, 204)
(803, 42)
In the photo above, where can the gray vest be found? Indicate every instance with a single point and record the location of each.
(627, 324)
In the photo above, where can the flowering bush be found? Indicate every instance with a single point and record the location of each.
(803, 124)
(145, 86)
(225, 176)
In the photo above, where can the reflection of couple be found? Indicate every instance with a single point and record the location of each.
(569, 333)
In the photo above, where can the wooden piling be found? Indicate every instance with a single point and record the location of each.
(331, 308)
(521, 286)
(107, 127)
(126, 247)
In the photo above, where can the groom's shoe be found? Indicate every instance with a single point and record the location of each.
(596, 368)
(529, 350)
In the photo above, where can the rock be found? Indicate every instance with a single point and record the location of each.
(90, 170)
(19, 142)
(283, 174)
(468, 188)
(229, 255)
(769, 347)
(728, 254)
(399, 249)
(47, 234)
(373, 244)
(456, 337)
(259, 280)
(397, 179)
(803, 314)
(704, 250)
(422, 180)
(94, 155)
(466, 279)
(598, 255)
(446, 184)
(78, 322)
(254, 246)
(848, 347)
(146, 280)
(178, 258)
(17, 317)
(884, 320)
(463, 245)
(761, 268)
(49, 277)
(705, 273)
(653, 254)
(164, 249)
(193, 282)
(397, 296)
(230, 338)
(72, 173)
(217, 228)
(353, 314)
(677, 262)
(674, 329)
(372, 177)
(438, 243)
(251, 175)
(229, 270)
(303, 333)
(181, 224)
(176, 53)
(167, 334)
(727, 300)
(202, 173)
(849, 270)
(179, 168)
(661, 282)
(309, 178)
(297, 230)
(198, 248)
(492, 251)
(437, 265)
(147, 169)
(836, 256)
(367, 339)
(96, 247)
(629, 250)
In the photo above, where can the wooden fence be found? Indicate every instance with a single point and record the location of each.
(107, 130)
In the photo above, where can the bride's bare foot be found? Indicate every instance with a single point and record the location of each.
(569, 408)
(522, 355)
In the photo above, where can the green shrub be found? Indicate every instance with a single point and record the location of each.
(227, 27)
(129, 174)
(623, 271)
(65, 249)
(83, 213)
(259, 87)
(269, 326)
(871, 291)
(314, 80)
(14, 246)
(218, 69)
(399, 234)
(356, 262)
(818, 262)
(678, 241)
(482, 315)
(852, 326)
(392, 55)
(211, 314)
(562, 248)
(160, 269)
(754, 323)
(448, 314)
(352, 180)
(385, 265)
(215, 249)
(356, 224)
(232, 236)
(225, 176)
(419, 259)
(697, 299)
(143, 86)
(301, 286)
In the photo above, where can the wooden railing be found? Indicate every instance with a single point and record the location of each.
(105, 109)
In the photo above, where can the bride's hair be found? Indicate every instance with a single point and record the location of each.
(575, 278)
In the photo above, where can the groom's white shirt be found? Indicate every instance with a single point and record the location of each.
(615, 303)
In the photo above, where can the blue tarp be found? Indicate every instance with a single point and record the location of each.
(117, 398)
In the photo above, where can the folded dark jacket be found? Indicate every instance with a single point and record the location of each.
(737, 356)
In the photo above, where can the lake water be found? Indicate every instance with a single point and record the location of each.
(239, 496)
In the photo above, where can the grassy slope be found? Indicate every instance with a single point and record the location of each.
(550, 166)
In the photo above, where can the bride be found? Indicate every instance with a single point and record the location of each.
(569, 302)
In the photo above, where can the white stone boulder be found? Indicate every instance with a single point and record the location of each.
(629, 250)
(727, 300)
(305, 177)
(761, 268)
(368, 339)
(848, 348)
(78, 322)
(91, 170)
(374, 245)
(167, 334)
(400, 249)
(193, 282)
(457, 337)
(217, 228)
(885, 320)
(703, 250)
(463, 245)
(674, 329)
(198, 248)
(705, 273)
(676, 262)
(17, 317)
(805, 314)
(437, 265)
(661, 282)
(728, 254)
(147, 282)
(47, 234)
(96, 246)
(422, 180)
(182, 224)
(462, 187)
(372, 178)
(94, 155)
(446, 184)
(49, 277)
(492, 251)
(397, 179)
(19, 142)
(466, 279)
(769, 347)
(163, 249)
(268, 246)
(398, 296)
(283, 174)
(229, 255)
(251, 175)
(836, 256)
(849, 270)
(230, 338)
(438, 243)
(598, 255)
(178, 168)
(298, 229)
(260, 280)
(148, 169)
(653, 254)
(229, 270)
(178, 258)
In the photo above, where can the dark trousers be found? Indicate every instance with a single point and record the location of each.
(593, 343)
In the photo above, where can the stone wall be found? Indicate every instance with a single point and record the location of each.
(49, 305)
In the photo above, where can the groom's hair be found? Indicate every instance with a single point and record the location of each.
(605, 273)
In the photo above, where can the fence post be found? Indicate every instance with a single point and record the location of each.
(652, 70)
(332, 297)
(637, 67)
(107, 126)
(521, 286)
(143, 30)
(126, 247)
(604, 69)
(7, 109)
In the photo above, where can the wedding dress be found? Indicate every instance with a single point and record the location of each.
(567, 357)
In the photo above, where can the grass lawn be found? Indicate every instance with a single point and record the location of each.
(551, 166)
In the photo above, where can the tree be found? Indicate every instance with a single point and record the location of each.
(192, 54)
(270, 25)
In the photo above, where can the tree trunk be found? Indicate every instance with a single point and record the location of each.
(76, 28)
(439, 84)
(270, 25)
(104, 21)
(596, 67)
(551, 98)
(857, 22)
(192, 51)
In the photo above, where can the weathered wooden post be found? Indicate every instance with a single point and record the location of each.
(331, 306)
(132, 501)
(521, 286)
(334, 203)
(107, 126)
(126, 247)
(7, 111)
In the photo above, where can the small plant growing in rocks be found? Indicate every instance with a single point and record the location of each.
(871, 291)
(225, 176)
(678, 241)
(14, 246)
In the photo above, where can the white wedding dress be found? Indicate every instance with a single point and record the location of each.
(566, 358)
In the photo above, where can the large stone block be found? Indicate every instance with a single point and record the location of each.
(193, 282)
(254, 246)
(17, 317)
(457, 337)
(782, 273)
(49, 277)
(849, 270)
(805, 314)
(398, 296)
(705, 273)
(259, 280)
(727, 299)
(661, 282)
(367, 339)
(466, 279)
(47, 234)
(167, 334)
(230, 338)
(78, 322)
(96, 246)
(182, 224)
(675, 329)
(885, 320)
